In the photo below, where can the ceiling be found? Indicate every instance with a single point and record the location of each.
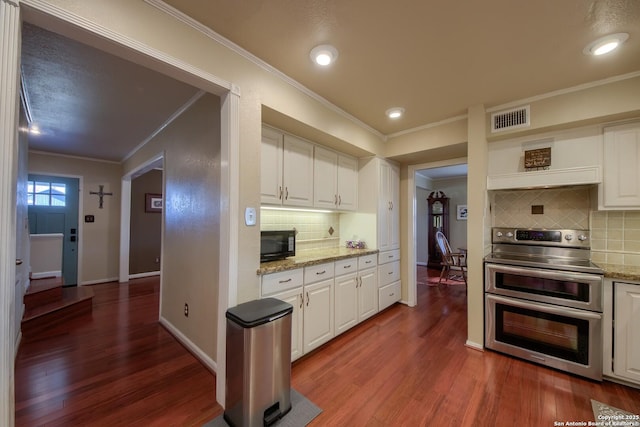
(433, 58)
(88, 103)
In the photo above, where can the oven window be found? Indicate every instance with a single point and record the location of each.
(560, 336)
(565, 289)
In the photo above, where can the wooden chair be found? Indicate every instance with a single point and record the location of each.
(454, 264)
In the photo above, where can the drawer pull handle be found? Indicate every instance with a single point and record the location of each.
(390, 256)
(368, 262)
(321, 272)
(347, 266)
(307, 299)
(390, 273)
(301, 300)
(285, 281)
(392, 294)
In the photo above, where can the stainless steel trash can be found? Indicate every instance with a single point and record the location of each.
(258, 384)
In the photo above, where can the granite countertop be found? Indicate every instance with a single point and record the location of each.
(619, 271)
(312, 257)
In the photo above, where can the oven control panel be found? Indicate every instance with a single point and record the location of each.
(542, 236)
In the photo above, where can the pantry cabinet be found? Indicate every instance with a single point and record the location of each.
(335, 180)
(620, 188)
(626, 357)
(286, 176)
(389, 206)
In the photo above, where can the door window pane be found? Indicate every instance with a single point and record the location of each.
(46, 194)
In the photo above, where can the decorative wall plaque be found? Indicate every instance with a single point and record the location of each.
(537, 159)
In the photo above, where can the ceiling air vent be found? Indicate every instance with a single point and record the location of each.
(510, 119)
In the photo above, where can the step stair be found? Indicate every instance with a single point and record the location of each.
(49, 306)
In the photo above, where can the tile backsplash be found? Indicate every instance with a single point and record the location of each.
(562, 208)
(315, 230)
(615, 237)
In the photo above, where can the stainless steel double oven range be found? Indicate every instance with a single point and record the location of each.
(543, 299)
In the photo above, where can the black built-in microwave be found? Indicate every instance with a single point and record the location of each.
(277, 244)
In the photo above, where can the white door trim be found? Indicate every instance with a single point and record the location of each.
(9, 117)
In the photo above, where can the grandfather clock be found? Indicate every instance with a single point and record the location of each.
(438, 208)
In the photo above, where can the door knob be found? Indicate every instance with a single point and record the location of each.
(18, 261)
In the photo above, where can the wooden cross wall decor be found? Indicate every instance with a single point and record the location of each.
(101, 194)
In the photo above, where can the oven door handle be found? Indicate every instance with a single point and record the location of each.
(546, 308)
(545, 274)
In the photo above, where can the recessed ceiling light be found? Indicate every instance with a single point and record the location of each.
(324, 55)
(605, 44)
(395, 113)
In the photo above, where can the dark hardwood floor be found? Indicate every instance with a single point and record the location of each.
(406, 366)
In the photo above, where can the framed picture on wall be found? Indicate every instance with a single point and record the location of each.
(153, 202)
(461, 212)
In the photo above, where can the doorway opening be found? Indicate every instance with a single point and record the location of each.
(445, 181)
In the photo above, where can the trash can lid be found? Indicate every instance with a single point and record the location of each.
(257, 312)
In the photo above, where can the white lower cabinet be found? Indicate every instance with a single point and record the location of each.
(389, 282)
(356, 293)
(318, 314)
(626, 358)
(295, 298)
(327, 299)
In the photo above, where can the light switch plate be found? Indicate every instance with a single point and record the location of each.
(250, 216)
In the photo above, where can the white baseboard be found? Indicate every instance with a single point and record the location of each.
(98, 281)
(474, 345)
(141, 275)
(193, 349)
(422, 263)
(44, 274)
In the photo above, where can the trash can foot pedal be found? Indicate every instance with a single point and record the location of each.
(272, 414)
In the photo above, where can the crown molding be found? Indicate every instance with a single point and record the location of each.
(166, 123)
(428, 126)
(565, 91)
(68, 156)
(198, 26)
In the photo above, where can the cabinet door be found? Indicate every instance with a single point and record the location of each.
(346, 302)
(367, 294)
(621, 182)
(384, 207)
(394, 216)
(626, 360)
(318, 314)
(297, 172)
(325, 166)
(294, 297)
(271, 167)
(347, 183)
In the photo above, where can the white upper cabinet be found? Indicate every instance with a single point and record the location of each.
(335, 180)
(620, 187)
(297, 176)
(286, 176)
(347, 183)
(325, 178)
(271, 166)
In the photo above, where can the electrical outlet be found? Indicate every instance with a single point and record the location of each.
(186, 310)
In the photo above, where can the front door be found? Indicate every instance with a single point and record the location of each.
(53, 208)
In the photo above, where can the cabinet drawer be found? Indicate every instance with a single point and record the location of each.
(318, 272)
(282, 281)
(346, 266)
(389, 256)
(388, 294)
(367, 261)
(388, 273)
